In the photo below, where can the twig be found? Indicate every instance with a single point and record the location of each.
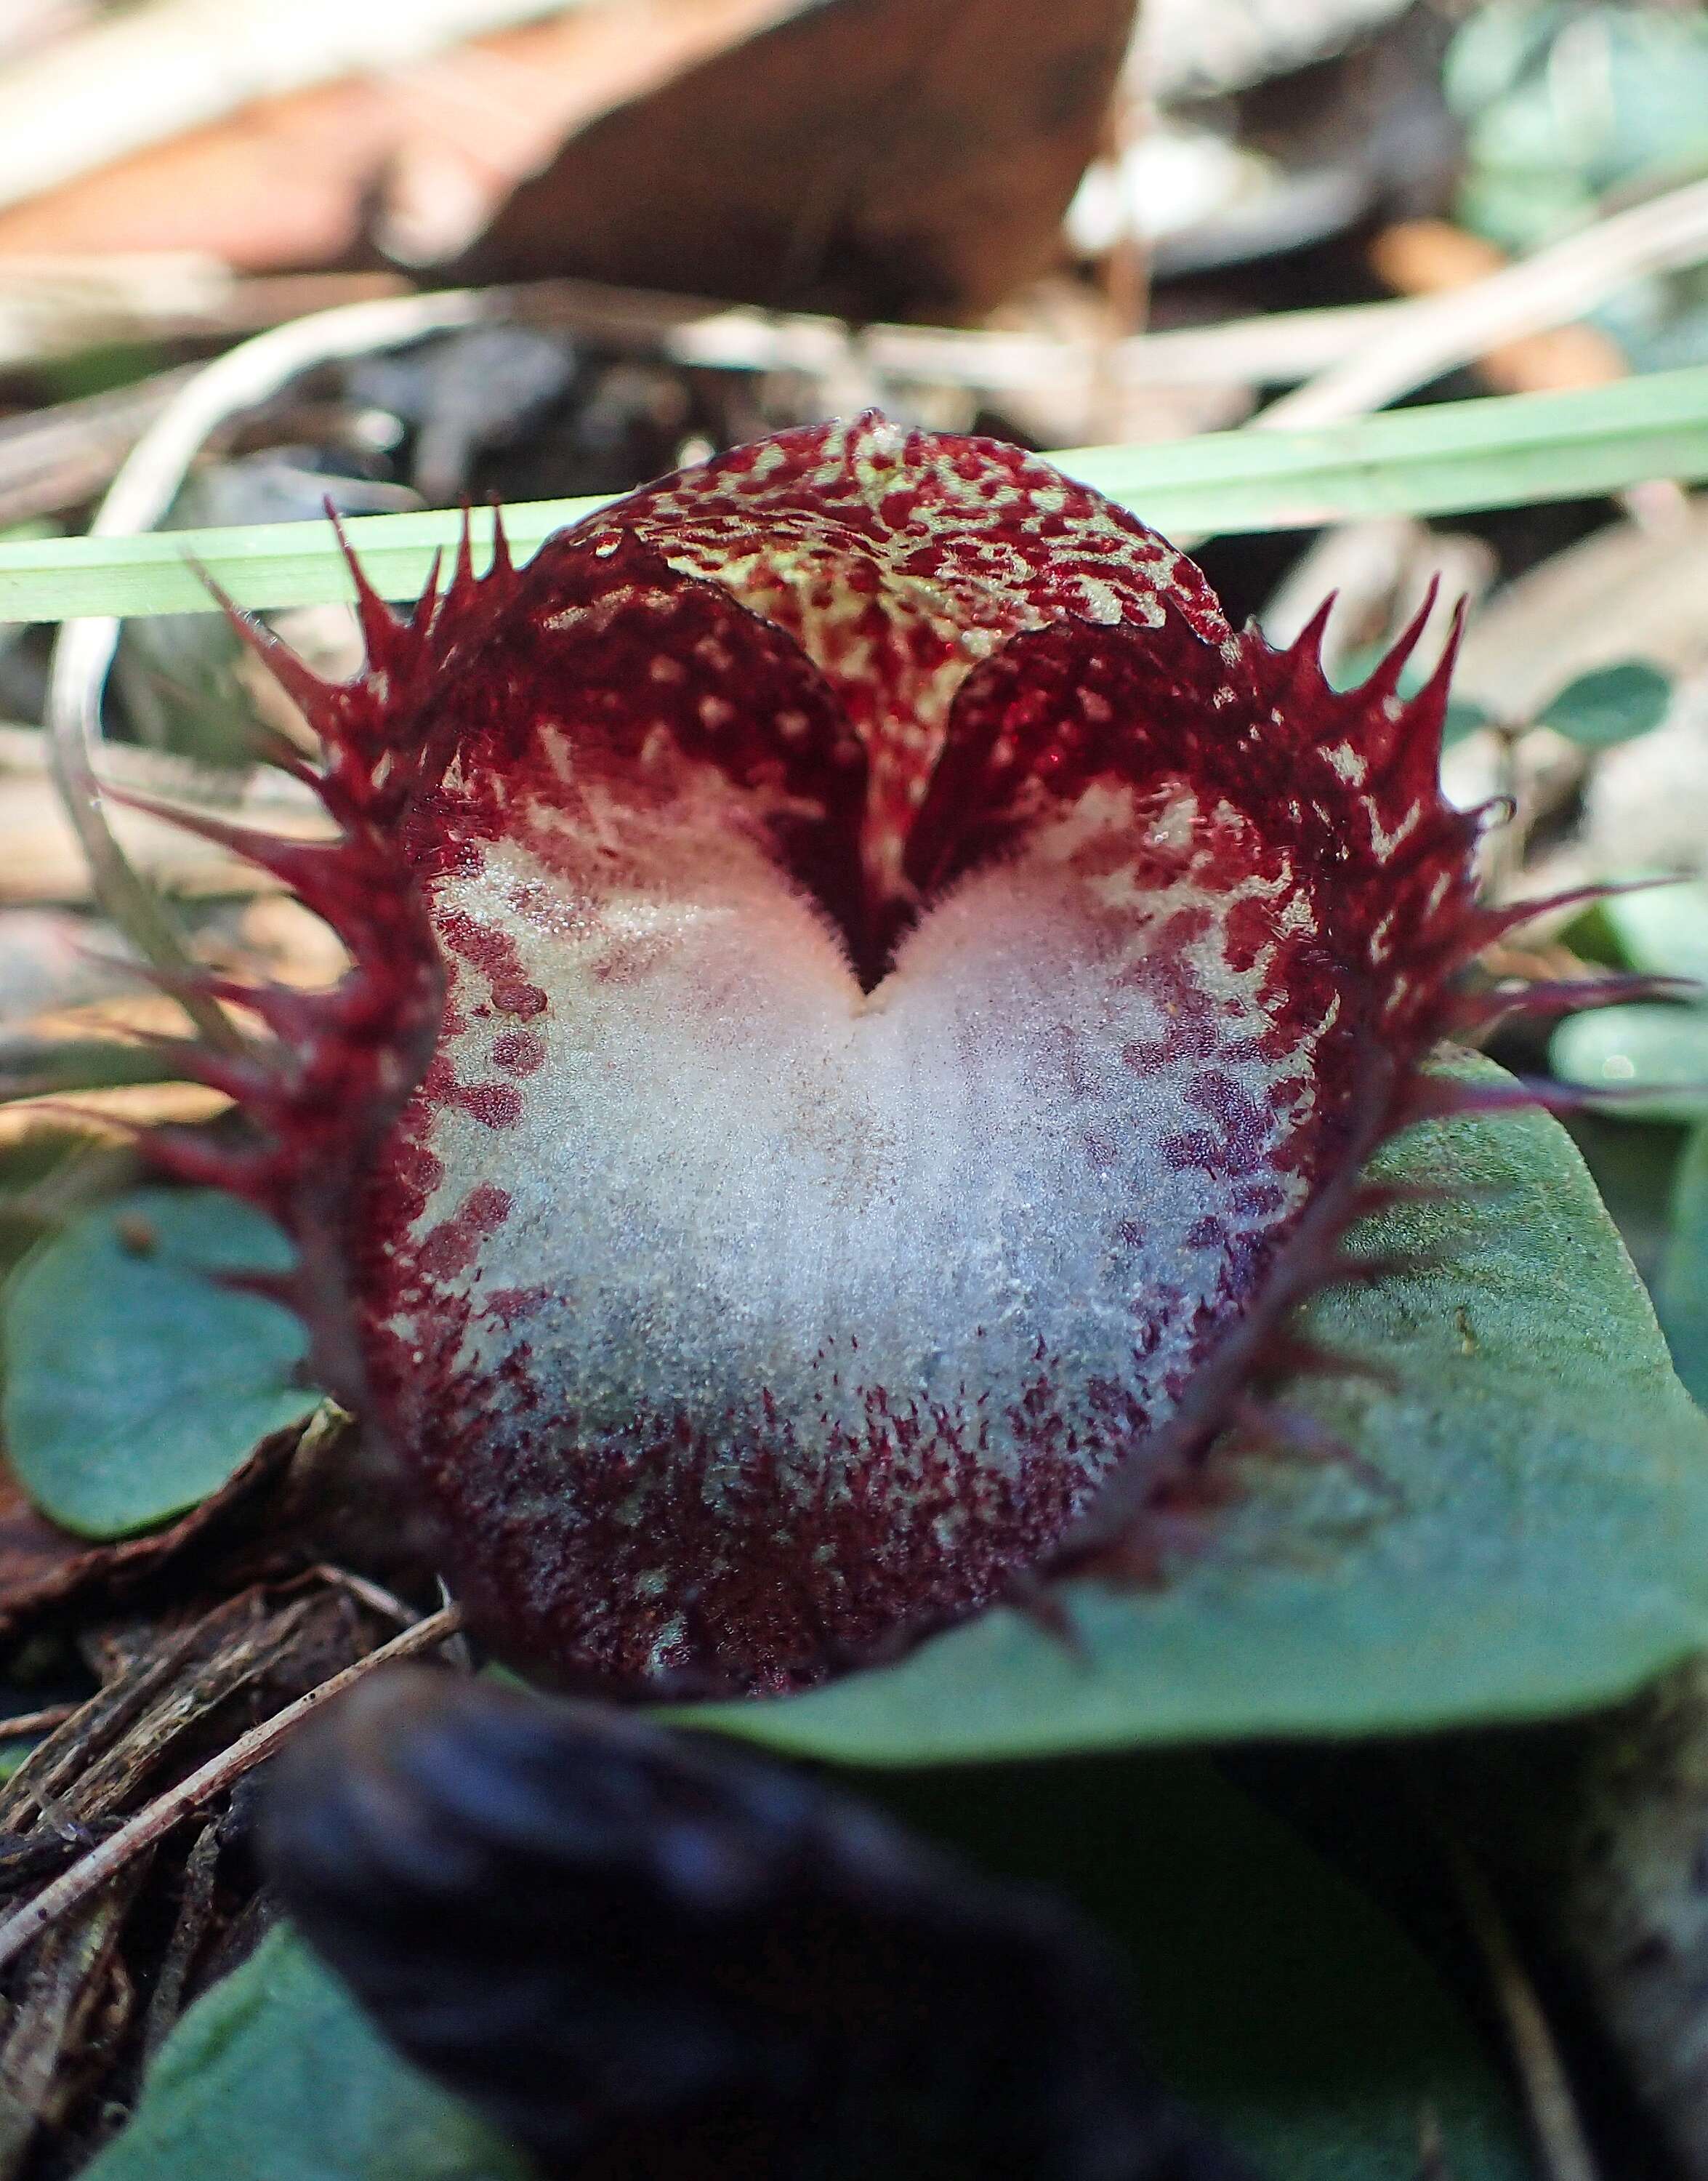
(142, 493)
(36, 1722)
(151, 1823)
(1437, 333)
(1280, 348)
(373, 1595)
(189, 1928)
(52, 305)
(1277, 349)
(59, 457)
(1560, 2140)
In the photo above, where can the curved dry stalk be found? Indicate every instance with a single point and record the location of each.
(1437, 333)
(1560, 2140)
(141, 495)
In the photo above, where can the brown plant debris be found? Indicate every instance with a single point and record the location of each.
(113, 1913)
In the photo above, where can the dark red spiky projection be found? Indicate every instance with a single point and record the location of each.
(870, 1003)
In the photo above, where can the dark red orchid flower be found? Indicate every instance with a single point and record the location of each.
(870, 1001)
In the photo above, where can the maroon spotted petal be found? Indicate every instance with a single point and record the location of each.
(918, 989)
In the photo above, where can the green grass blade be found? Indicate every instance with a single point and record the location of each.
(1507, 451)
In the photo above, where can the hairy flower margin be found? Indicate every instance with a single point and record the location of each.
(870, 1004)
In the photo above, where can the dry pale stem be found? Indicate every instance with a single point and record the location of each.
(151, 1824)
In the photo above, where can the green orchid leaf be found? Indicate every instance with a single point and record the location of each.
(1682, 1287)
(1611, 704)
(274, 2075)
(1658, 1053)
(136, 1385)
(1272, 1993)
(1520, 1528)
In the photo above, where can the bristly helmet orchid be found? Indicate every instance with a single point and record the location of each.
(869, 1004)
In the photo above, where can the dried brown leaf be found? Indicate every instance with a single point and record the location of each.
(42, 1565)
(871, 156)
(289, 181)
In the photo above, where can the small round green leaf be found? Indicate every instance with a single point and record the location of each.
(1524, 1530)
(1658, 1053)
(135, 1384)
(1661, 930)
(1610, 704)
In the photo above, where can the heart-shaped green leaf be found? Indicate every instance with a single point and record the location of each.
(1273, 1995)
(1524, 1529)
(276, 2076)
(135, 1384)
